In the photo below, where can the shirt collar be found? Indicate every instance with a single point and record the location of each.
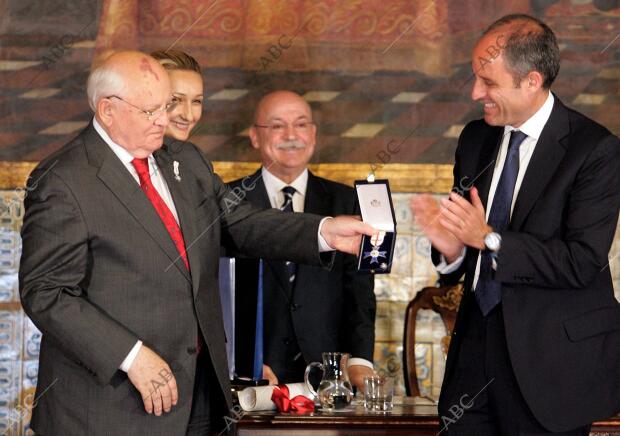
(273, 184)
(118, 150)
(535, 124)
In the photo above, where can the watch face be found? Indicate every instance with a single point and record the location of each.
(492, 241)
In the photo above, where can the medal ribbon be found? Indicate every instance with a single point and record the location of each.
(298, 404)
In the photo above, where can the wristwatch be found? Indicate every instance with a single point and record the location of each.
(493, 241)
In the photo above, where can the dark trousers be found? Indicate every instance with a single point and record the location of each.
(200, 416)
(208, 403)
(481, 396)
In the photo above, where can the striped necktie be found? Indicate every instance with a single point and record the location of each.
(287, 206)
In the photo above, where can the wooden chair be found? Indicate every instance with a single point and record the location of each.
(444, 300)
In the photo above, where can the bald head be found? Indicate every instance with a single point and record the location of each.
(135, 66)
(126, 71)
(278, 99)
(284, 134)
(129, 91)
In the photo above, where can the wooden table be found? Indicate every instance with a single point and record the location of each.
(410, 418)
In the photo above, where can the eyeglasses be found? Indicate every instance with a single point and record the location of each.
(278, 128)
(150, 115)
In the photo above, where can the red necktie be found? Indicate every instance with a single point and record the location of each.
(142, 167)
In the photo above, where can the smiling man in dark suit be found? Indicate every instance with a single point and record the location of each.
(536, 346)
(307, 310)
(120, 260)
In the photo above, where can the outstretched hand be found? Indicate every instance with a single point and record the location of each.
(344, 233)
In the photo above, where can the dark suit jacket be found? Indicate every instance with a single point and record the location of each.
(325, 311)
(99, 271)
(561, 318)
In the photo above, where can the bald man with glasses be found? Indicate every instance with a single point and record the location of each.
(306, 310)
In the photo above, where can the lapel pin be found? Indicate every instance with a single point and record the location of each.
(175, 170)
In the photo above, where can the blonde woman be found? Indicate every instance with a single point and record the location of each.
(187, 91)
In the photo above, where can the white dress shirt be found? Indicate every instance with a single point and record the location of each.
(532, 128)
(273, 186)
(160, 185)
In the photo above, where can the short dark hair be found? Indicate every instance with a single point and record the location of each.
(529, 47)
(176, 60)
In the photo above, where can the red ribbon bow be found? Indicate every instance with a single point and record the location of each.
(298, 404)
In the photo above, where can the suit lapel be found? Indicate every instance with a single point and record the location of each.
(184, 209)
(317, 197)
(115, 176)
(258, 196)
(486, 164)
(547, 156)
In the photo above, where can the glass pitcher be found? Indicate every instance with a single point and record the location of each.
(335, 391)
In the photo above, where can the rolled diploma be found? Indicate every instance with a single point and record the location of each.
(259, 398)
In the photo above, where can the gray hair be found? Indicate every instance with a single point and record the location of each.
(103, 82)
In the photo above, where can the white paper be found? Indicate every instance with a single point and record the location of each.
(259, 398)
(375, 206)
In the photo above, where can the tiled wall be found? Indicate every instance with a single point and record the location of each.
(19, 339)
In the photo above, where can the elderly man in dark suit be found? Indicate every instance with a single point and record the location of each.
(120, 261)
(536, 346)
(307, 310)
